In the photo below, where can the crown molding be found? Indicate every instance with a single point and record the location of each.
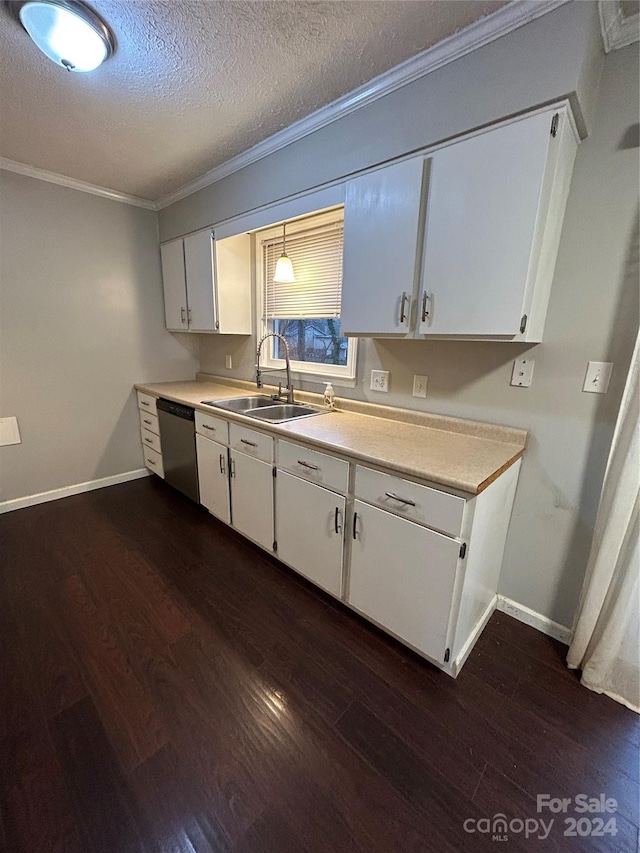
(617, 31)
(73, 184)
(476, 35)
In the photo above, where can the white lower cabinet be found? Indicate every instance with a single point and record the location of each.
(309, 530)
(213, 479)
(402, 577)
(252, 498)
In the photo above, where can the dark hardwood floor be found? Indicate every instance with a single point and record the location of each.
(166, 686)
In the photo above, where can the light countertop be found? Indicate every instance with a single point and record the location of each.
(453, 452)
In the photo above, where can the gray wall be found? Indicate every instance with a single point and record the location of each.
(81, 320)
(594, 305)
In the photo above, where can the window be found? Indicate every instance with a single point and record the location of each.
(306, 312)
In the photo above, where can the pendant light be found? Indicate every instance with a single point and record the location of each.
(68, 32)
(284, 267)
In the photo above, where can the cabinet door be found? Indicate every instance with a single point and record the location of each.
(484, 199)
(212, 476)
(309, 530)
(382, 238)
(402, 576)
(252, 498)
(174, 285)
(233, 284)
(198, 258)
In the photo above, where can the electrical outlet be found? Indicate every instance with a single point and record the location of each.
(419, 386)
(522, 374)
(379, 380)
(228, 362)
(597, 377)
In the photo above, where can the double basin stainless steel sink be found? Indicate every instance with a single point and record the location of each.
(265, 408)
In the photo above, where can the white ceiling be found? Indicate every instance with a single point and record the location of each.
(195, 82)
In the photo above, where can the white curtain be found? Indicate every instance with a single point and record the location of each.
(606, 642)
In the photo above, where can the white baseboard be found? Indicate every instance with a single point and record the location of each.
(78, 488)
(536, 620)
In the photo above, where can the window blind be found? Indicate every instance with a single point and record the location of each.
(316, 255)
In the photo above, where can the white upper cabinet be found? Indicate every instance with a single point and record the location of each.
(488, 210)
(479, 220)
(175, 285)
(207, 283)
(382, 216)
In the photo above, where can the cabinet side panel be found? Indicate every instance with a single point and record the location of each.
(551, 229)
(233, 283)
(484, 552)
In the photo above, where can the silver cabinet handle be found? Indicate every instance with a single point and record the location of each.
(398, 498)
(189, 315)
(144, 403)
(355, 525)
(336, 521)
(308, 465)
(426, 306)
(222, 463)
(403, 299)
(206, 426)
(148, 440)
(182, 317)
(232, 468)
(145, 421)
(250, 443)
(150, 462)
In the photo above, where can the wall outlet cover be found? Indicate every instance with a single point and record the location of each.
(419, 386)
(379, 380)
(9, 432)
(596, 380)
(522, 374)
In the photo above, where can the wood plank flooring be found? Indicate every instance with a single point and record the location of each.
(167, 687)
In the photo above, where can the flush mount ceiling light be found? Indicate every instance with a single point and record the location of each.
(284, 268)
(68, 32)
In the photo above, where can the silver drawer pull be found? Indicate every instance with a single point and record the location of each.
(144, 403)
(221, 463)
(145, 421)
(250, 443)
(398, 498)
(308, 465)
(206, 426)
(150, 462)
(148, 440)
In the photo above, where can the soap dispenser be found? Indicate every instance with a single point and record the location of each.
(329, 396)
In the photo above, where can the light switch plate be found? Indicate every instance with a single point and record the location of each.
(9, 432)
(419, 386)
(522, 372)
(379, 380)
(596, 380)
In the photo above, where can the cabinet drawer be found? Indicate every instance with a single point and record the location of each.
(153, 461)
(150, 439)
(147, 403)
(150, 422)
(212, 427)
(436, 509)
(314, 466)
(252, 443)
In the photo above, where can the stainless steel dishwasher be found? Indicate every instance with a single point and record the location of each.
(178, 439)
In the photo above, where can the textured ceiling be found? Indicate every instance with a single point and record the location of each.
(195, 82)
